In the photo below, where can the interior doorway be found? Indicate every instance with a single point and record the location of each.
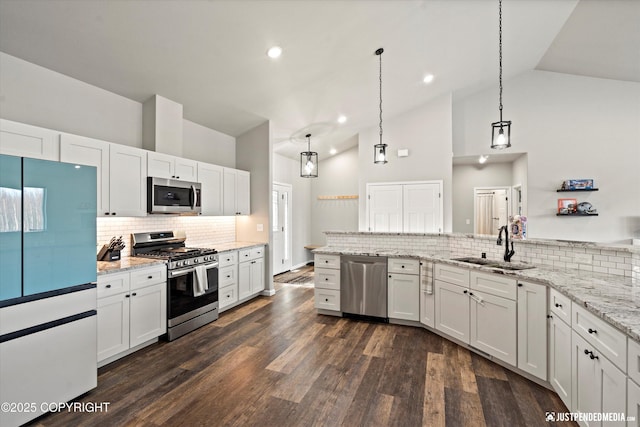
(282, 217)
(491, 209)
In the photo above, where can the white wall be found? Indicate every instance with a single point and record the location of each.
(337, 176)
(426, 132)
(571, 127)
(465, 179)
(287, 171)
(520, 172)
(208, 145)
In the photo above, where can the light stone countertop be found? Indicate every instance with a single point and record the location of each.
(234, 246)
(125, 264)
(615, 299)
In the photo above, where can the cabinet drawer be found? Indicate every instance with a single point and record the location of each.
(560, 305)
(327, 261)
(327, 299)
(607, 339)
(228, 258)
(404, 266)
(112, 284)
(633, 360)
(227, 276)
(327, 278)
(244, 255)
(257, 252)
(494, 284)
(228, 295)
(148, 276)
(455, 275)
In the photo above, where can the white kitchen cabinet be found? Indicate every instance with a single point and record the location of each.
(227, 279)
(560, 306)
(162, 165)
(250, 272)
(403, 288)
(236, 193)
(452, 310)
(427, 296)
(22, 140)
(327, 283)
(604, 337)
(493, 325)
(598, 385)
(633, 403)
(211, 178)
(127, 181)
(132, 310)
(560, 358)
(91, 152)
(402, 301)
(495, 284)
(532, 329)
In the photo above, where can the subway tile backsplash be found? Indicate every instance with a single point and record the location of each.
(574, 255)
(202, 231)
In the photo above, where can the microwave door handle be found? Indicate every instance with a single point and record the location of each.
(195, 197)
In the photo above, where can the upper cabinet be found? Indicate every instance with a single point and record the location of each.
(171, 167)
(18, 139)
(236, 192)
(211, 177)
(122, 173)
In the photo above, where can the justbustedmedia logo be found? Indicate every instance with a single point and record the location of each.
(550, 416)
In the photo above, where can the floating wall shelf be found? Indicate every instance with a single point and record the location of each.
(560, 190)
(576, 214)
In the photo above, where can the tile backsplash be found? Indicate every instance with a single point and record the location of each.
(202, 231)
(619, 261)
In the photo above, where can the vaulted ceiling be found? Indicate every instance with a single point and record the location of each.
(211, 57)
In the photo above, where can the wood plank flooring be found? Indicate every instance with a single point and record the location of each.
(275, 362)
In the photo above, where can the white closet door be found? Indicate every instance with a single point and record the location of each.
(385, 208)
(421, 208)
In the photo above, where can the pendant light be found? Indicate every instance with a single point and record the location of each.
(500, 131)
(309, 161)
(380, 150)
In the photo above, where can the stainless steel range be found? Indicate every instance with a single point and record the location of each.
(192, 279)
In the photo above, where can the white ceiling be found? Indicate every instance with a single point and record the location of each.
(210, 56)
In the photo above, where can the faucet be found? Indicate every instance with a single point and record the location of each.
(507, 253)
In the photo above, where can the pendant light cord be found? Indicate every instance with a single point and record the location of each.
(500, 52)
(379, 53)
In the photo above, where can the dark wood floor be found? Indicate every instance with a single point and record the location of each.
(275, 362)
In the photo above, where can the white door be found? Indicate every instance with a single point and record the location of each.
(282, 237)
(491, 207)
(421, 208)
(385, 208)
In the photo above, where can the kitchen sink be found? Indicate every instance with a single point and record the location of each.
(494, 264)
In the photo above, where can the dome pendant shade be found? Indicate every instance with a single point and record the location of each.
(309, 161)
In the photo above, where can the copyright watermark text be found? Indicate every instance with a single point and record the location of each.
(24, 407)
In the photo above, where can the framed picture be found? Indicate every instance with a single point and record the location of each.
(567, 206)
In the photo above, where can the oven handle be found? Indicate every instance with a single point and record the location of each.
(185, 271)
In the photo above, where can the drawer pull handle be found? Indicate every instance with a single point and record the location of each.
(108, 286)
(549, 316)
(520, 284)
(586, 351)
(134, 294)
(228, 276)
(127, 296)
(402, 266)
(149, 277)
(592, 331)
(326, 279)
(326, 261)
(465, 291)
(558, 305)
(326, 299)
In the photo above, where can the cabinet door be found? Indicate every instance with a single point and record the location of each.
(493, 326)
(18, 139)
(229, 192)
(243, 193)
(160, 165)
(148, 313)
(244, 279)
(257, 275)
(633, 403)
(211, 178)
(90, 152)
(452, 310)
(228, 295)
(186, 170)
(560, 359)
(127, 181)
(385, 208)
(421, 208)
(113, 325)
(532, 329)
(427, 307)
(403, 301)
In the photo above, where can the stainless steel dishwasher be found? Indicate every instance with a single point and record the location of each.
(363, 285)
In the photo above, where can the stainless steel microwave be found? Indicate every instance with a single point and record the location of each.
(171, 196)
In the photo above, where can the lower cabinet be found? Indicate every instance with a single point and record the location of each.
(227, 279)
(493, 325)
(250, 272)
(598, 385)
(452, 310)
(327, 283)
(427, 296)
(532, 329)
(130, 312)
(560, 358)
(633, 402)
(401, 297)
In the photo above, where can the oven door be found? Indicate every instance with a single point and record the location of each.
(183, 299)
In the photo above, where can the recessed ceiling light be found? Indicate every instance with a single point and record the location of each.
(342, 119)
(428, 78)
(482, 159)
(274, 52)
(333, 151)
